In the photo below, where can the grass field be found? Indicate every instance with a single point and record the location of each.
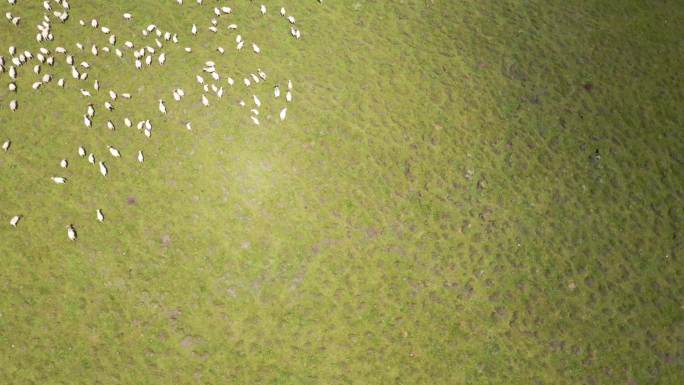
(463, 192)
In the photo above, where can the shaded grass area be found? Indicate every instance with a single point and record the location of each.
(432, 210)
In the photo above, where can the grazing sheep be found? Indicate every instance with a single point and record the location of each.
(115, 153)
(15, 220)
(103, 169)
(71, 232)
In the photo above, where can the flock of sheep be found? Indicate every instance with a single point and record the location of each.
(144, 56)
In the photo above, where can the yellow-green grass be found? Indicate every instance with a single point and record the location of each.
(432, 211)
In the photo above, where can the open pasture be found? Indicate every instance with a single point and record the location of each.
(371, 192)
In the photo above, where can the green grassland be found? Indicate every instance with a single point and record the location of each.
(432, 210)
